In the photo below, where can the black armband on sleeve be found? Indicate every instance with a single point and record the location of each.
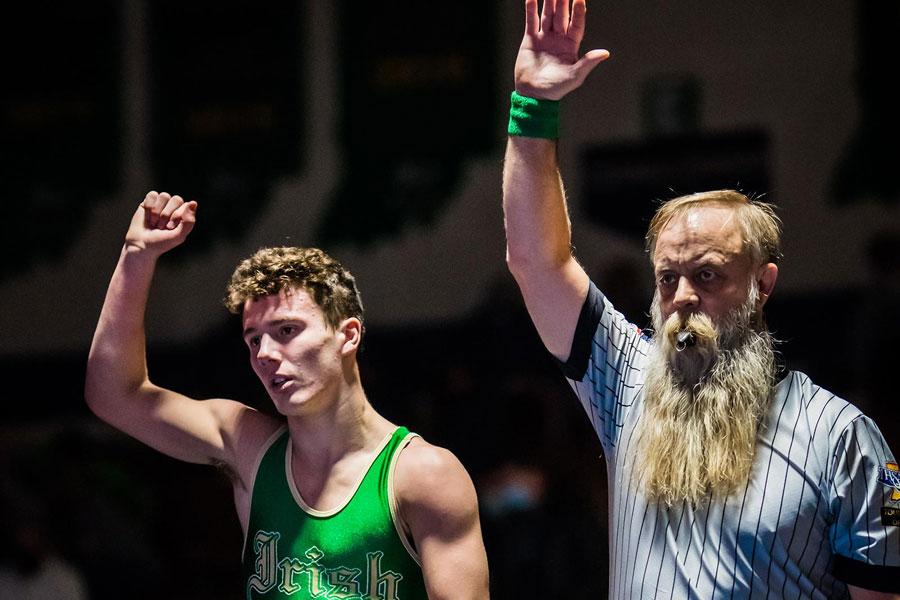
(588, 320)
(877, 578)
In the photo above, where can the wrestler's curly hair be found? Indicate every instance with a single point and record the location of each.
(272, 271)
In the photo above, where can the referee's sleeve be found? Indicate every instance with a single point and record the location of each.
(865, 498)
(588, 320)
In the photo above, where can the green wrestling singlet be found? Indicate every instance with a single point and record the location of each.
(356, 551)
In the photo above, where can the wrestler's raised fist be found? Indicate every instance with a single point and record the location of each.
(160, 223)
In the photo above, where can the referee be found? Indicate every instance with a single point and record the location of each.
(729, 477)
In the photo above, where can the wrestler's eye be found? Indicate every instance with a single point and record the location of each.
(253, 342)
(287, 330)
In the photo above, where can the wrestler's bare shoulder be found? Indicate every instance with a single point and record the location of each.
(432, 476)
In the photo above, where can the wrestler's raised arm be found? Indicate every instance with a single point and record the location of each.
(117, 386)
(538, 252)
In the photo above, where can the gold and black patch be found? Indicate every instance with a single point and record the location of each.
(890, 516)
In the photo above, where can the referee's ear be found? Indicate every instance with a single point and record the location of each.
(765, 279)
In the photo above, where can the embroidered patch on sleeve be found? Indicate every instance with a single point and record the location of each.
(889, 476)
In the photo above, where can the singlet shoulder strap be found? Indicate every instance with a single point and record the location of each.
(401, 438)
(273, 440)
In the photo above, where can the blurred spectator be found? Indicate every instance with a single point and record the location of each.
(33, 569)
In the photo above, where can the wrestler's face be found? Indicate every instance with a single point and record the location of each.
(296, 355)
(700, 265)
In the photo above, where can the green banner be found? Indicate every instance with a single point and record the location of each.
(418, 91)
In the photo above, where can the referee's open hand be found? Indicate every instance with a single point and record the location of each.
(548, 66)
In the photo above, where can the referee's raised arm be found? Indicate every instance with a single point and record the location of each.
(538, 251)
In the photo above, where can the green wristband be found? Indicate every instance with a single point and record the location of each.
(530, 117)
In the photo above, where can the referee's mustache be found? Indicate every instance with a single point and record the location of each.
(691, 344)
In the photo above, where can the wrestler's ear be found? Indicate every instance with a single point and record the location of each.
(765, 279)
(350, 331)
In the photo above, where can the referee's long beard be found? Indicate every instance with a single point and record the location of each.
(703, 404)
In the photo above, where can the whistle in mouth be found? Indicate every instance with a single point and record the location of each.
(685, 339)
